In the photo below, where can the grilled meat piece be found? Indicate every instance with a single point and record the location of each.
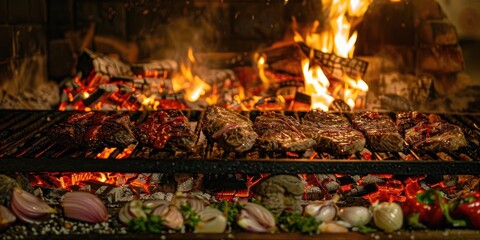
(323, 119)
(380, 132)
(229, 129)
(435, 137)
(109, 131)
(335, 134)
(95, 131)
(278, 132)
(407, 120)
(70, 133)
(167, 129)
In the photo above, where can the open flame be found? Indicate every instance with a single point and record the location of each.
(316, 85)
(334, 38)
(192, 85)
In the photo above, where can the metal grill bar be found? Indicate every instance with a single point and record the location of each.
(27, 147)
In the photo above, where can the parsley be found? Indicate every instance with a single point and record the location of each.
(152, 224)
(296, 222)
(230, 210)
(190, 216)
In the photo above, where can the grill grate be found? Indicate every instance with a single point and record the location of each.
(26, 147)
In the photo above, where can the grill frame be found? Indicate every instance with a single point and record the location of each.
(23, 135)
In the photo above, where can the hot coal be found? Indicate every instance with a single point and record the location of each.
(335, 134)
(278, 132)
(380, 132)
(168, 129)
(435, 137)
(95, 131)
(229, 129)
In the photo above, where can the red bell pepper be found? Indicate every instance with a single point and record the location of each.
(428, 209)
(468, 207)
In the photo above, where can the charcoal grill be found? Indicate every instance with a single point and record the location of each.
(26, 147)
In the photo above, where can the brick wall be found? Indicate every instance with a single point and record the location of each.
(165, 28)
(53, 29)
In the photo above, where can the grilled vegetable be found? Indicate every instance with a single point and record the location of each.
(322, 210)
(468, 208)
(28, 208)
(211, 221)
(356, 216)
(388, 216)
(428, 209)
(256, 218)
(85, 207)
(6, 218)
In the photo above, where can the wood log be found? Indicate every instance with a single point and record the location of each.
(440, 59)
(437, 32)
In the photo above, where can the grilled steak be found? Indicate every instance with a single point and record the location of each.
(95, 131)
(168, 129)
(278, 132)
(335, 134)
(229, 129)
(407, 120)
(435, 137)
(380, 132)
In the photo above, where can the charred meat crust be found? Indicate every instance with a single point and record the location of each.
(229, 129)
(335, 134)
(380, 132)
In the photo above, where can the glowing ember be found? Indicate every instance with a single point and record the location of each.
(106, 153)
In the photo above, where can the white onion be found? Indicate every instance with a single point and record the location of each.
(388, 216)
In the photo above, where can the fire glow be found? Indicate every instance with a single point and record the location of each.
(334, 38)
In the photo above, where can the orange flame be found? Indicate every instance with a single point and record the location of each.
(334, 38)
(106, 153)
(316, 85)
(193, 86)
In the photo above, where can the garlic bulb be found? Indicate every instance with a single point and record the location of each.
(356, 215)
(256, 218)
(29, 208)
(212, 220)
(388, 216)
(332, 227)
(131, 210)
(85, 207)
(150, 205)
(322, 210)
(6, 218)
(171, 216)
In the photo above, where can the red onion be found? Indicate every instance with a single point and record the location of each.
(28, 208)
(85, 207)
